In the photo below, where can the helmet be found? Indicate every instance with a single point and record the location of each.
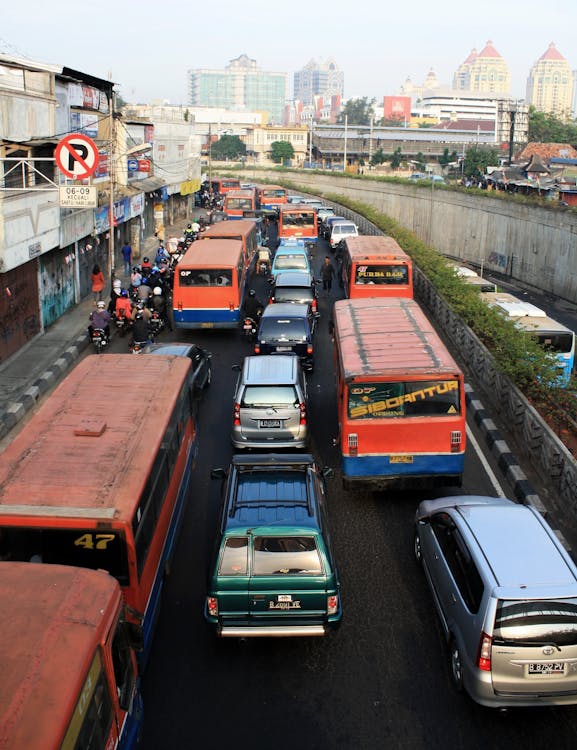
(140, 305)
(145, 260)
(124, 293)
(101, 305)
(116, 284)
(157, 290)
(252, 293)
(155, 269)
(189, 226)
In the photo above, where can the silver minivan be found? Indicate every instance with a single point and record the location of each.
(270, 403)
(506, 593)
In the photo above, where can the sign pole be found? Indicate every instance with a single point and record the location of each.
(111, 174)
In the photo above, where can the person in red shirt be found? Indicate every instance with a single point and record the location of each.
(98, 283)
(123, 305)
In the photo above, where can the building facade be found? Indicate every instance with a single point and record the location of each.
(318, 79)
(484, 72)
(241, 85)
(550, 84)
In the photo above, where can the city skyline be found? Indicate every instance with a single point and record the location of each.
(147, 53)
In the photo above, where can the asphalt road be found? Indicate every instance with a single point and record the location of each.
(381, 681)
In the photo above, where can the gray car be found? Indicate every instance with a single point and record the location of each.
(506, 593)
(270, 404)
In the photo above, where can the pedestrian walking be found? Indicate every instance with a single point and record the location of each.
(127, 258)
(98, 283)
(327, 274)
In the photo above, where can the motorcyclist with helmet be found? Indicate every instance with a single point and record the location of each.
(253, 307)
(188, 235)
(100, 319)
(123, 305)
(158, 304)
(140, 323)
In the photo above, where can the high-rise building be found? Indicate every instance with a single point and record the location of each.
(485, 72)
(318, 79)
(241, 85)
(550, 84)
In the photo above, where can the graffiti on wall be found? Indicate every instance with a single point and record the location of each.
(56, 285)
(19, 314)
(497, 259)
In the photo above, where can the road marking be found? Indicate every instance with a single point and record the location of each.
(492, 478)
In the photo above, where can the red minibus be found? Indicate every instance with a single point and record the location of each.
(223, 185)
(401, 396)
(237, 202)
(69, 674)
(244, 230)
(100, 475)
(375, 266)
(272, 196)
(209, 284)
(300, 221)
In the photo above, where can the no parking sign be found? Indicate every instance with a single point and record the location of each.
(76, 156)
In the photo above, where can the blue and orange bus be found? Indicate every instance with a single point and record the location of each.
(100, 475)
(243, 230)
(272, 196)
(401, 397)
(69, 674)
(209, 285)
(375, 266)
(238, 203)
(300, 221)
(223, 185)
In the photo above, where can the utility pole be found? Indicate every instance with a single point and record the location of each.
(345, 148)
(371, 141)
(210, 157)
(512, 113)
(112, 175)
(311, 145)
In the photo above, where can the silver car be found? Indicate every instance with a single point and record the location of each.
(270, 403)
(506, 593)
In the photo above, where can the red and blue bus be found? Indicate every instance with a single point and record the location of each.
(238, 203)
(99, 477)
(209, 285)
(272, 196)
(69, 673)
(243, 230)
(401, 397)
(300, 221)
(375, 266)
(223, 185)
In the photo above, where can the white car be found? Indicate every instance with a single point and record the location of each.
(340, 230)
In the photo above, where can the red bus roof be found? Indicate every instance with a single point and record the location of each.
(264, 188)
(218, 253)
(388, 337)
(55, 615)
(375, 247)
(233, 230)
(89, 449)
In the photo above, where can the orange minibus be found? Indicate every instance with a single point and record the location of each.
(69, 674)
(375, 266)
(300, 221)
(223, 185)
(401, 397)
(245, 230)
(100, 475)
(209, 285)
(272, 196)
(237, 202)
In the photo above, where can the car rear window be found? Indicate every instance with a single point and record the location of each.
(286, 262)
(536, 621)
(293, 294)
(234, 561)
(283, 329)
(286, 555)
(269, 395)
(344, 229)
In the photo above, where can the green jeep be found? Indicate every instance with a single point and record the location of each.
(273, 572)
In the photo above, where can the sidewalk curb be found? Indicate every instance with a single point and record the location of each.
(16, 410)
(515, 476)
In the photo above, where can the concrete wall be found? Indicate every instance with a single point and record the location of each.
(535, 245)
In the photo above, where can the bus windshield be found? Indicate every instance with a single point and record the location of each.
(381, 274)
(298, 219)
(206, 277)
(403, 399)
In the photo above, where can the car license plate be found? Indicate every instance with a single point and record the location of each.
(270, 422)
(401, 459)
(546, 667)
(207, 325)
(284, 348)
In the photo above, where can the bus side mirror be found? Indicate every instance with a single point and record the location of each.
(218, 473)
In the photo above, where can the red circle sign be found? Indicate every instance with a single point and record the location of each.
(76, 156)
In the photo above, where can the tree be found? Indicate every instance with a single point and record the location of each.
(378, 157)
(281, 151)
(477, 159)
(445, 159)
(357, 112)
(546, 128)
(228, 147)
(419, 162)
(396, 158)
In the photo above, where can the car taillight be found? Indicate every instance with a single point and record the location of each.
(332, 605)
(309, 348)
(455, 441)
(212, 605)
(236, 418)
(257, 348)
(271, 298)
(484, 658)
(314, 306)
(353, 442)
(303, 409)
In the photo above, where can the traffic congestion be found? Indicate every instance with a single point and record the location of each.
(306, 467)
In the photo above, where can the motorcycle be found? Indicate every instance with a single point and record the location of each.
(99, 339)
(156, 323)
(249, 328)
(121, 322)
(135, 347)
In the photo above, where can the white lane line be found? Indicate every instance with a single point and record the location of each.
(492, 478)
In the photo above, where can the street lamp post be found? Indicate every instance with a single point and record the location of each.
(345, 148)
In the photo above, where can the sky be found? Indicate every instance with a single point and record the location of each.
(147, 48)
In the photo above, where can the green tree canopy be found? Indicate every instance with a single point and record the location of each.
(477, 159)
(546, 128)
(378, 157)
(396, 158)
(446, 157)
(228, 147)
(281, 151)
(357, 111)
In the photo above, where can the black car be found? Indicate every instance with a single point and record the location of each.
(296, 287)
(287, 328)
(201, 368)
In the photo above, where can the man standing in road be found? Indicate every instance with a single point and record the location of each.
(327, 274)
(127, 258)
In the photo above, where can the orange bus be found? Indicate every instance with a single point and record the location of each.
(401, 396)
(237, 202)
(209, 285)
(69, 675)
(100, 475)
(300, 221)
(272, 196)
(244, 230)
(223, 185)
(375, 266)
